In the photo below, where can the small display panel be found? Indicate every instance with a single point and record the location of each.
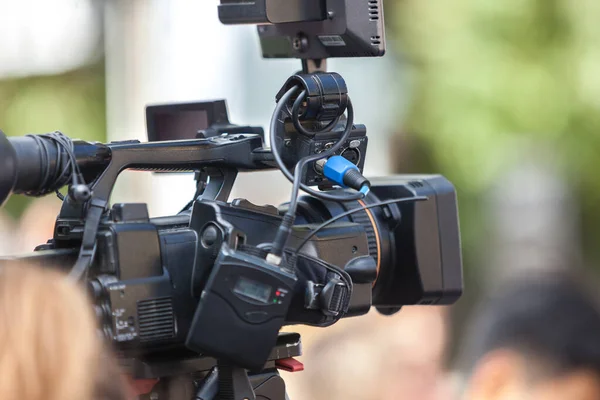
(252, 289)
(182, 121)
(179, 124)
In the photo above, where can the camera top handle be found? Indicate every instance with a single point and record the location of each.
(227, 152)
(37, 166)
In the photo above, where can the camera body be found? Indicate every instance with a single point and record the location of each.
(313, 30)
(151, 278)
(203, 293)
(150, 274)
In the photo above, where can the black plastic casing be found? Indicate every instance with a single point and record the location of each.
(297, 146)
(313, 30)
(270, 11)
(326, 95)
(421, 247)
(232, 326)
(241, 220)
(351, 29)
(140, 281)
(148, 274)
(416, 244)
(180, 121)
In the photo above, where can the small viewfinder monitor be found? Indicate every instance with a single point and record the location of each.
(183, 121)
(312, 29)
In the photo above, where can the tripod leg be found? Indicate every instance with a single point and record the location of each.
(234, 383)
(173, 388)
(269, 385)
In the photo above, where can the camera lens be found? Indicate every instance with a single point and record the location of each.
(416, 246)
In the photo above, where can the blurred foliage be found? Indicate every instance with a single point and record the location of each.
(73, 103)
(497, 82)
(492, 74)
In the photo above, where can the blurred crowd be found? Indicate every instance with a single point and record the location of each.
(35, 227)
(534, 338)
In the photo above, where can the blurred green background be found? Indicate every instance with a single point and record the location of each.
(73, 102)
(497, 81)
(500, 84)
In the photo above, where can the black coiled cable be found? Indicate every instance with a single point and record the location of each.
(295, 115)
(288, 219)
(274, 130)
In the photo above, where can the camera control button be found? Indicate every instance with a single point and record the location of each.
(257, 317)
(354, 144)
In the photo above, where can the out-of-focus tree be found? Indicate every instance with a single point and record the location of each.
(52, 71)
(494, 81)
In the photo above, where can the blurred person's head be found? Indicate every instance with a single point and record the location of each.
(36, 225)
(50, 348)
(380, 358)
(535, 339)
(7, 233)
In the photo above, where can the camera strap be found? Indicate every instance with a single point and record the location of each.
(88, 242)
(253, 250)
(323, 291)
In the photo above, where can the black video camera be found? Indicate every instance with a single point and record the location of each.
(198, 299)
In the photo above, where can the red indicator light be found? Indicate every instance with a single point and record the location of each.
(277, 293)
